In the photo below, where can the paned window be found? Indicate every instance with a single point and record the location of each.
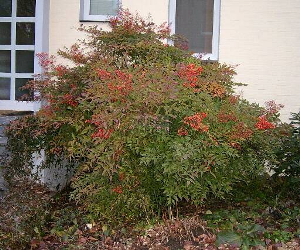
(17, 47)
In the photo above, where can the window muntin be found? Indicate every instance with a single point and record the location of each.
(198, 21)
(98, 10)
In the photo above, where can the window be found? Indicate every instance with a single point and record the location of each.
(98, 10)
(23, 32)
(199, 22)
(17, 46)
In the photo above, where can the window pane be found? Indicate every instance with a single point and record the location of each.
(20, 82)
(5, 59)
(194, 21)
(24, 61)
(25, 33)
(104, 7)
(5, 33)
(5, 8)
(4, 88)
(26, 8)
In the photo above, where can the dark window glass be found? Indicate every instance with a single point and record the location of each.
(5, 33)
(5, 8)
(25, 33)
(25, 8)
(194, 21)
(4, 88)
(5, 60)
(24, 61)
(22, 94)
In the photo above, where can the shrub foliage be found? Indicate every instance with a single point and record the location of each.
(147, 124)
(287, 167)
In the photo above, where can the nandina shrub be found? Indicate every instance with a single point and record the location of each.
(147, 124)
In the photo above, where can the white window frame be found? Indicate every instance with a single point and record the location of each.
(41, 21)
(214, 56)
(85, 16)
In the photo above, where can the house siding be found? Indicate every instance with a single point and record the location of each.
(64, 19)
(260, 36)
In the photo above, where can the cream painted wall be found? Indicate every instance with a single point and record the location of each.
(261, 36)
(64, 19)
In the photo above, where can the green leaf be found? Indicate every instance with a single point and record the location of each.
(229, 237)
(258, 242)
(105, 230)
(255, 228)
(245, 247)
(36, 230)
(208, 212)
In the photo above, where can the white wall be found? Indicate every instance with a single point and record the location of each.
(261, 36)
(64, 19)
(64, 22)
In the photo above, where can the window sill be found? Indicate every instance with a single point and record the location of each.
(206, 57)
(96, 18)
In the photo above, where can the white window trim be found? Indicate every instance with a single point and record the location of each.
(85, 16)
(214, 56)
(41, 20)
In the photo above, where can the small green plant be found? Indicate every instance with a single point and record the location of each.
(287, 169)
(246, 236)
(64, 223)
(237, 227)
(279, 236)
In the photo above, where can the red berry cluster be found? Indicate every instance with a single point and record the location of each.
(263, 123)
(45, 60)
(60, 70)
(102, 133)
(195, 121)
(103, 74)
(77, 55)
(240, 132)
(233, 99)
(70, 100)
(224, 118)
(123, 83)
(118, 190)
(190, 74)
(182, 132)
